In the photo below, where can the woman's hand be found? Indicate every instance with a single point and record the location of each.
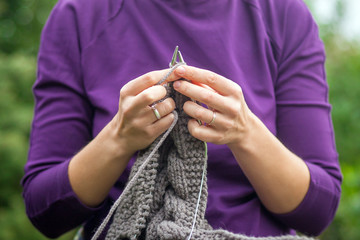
(280, 178)
(94, 170)
(233, 118)
(135, 123)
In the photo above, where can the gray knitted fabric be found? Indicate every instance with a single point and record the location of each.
(161, 202)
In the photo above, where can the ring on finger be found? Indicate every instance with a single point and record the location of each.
(213, 119)
(156, 112)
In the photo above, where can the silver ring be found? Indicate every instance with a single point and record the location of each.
(213, 119)
(156, 112)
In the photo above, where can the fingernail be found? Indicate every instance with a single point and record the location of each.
(180, 70)
(176, 84)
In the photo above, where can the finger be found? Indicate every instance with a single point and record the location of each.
(217, 82)
(164, 108)
(204, 133)
(149, 96)
(158, 127)
(203, 95)
(139, 84)
(198, 112)
(203, 85)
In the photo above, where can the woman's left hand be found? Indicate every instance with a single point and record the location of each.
(280, 178)
(233, 118)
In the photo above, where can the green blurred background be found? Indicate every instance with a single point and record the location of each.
(21, 22)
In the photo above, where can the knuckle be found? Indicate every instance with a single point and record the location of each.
(148, 132)
(228, 124)
(136, 125)
(220, 139)
(237, 90)
(193, 131)
(126, 110)
(124, 92)
(199, 113)
(234, 110)
(149, 79)
(190, 73)
(168, 106)
(148, 97)
(211, 78)
(208, 97)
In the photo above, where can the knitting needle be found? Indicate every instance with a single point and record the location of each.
(181, 60)
(174, 57)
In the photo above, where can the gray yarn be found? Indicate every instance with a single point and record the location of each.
(160, 199)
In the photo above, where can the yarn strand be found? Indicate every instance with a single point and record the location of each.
(199, 197)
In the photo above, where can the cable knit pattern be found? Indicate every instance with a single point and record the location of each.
(162, 201)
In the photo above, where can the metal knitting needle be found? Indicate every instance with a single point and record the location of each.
(181, 60)
(174, 57)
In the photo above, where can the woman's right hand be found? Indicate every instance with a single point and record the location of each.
(135, 123)
(94, 170)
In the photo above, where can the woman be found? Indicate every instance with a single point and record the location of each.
(272, 166)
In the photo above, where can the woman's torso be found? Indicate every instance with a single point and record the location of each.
(228, 37)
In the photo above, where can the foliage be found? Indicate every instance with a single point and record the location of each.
(17, 73)
(21, 22)
(343, 69)
(343, 74)
(16, 107)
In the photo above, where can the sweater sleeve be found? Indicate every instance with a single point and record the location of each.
(303, 117)
(61, 127)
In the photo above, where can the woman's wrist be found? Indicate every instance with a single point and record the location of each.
(268, 164)
(116, 144)
(94, 170)
(246, 141)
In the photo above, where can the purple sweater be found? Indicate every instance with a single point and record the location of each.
(271, 48)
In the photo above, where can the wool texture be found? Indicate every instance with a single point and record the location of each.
(162, 199)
